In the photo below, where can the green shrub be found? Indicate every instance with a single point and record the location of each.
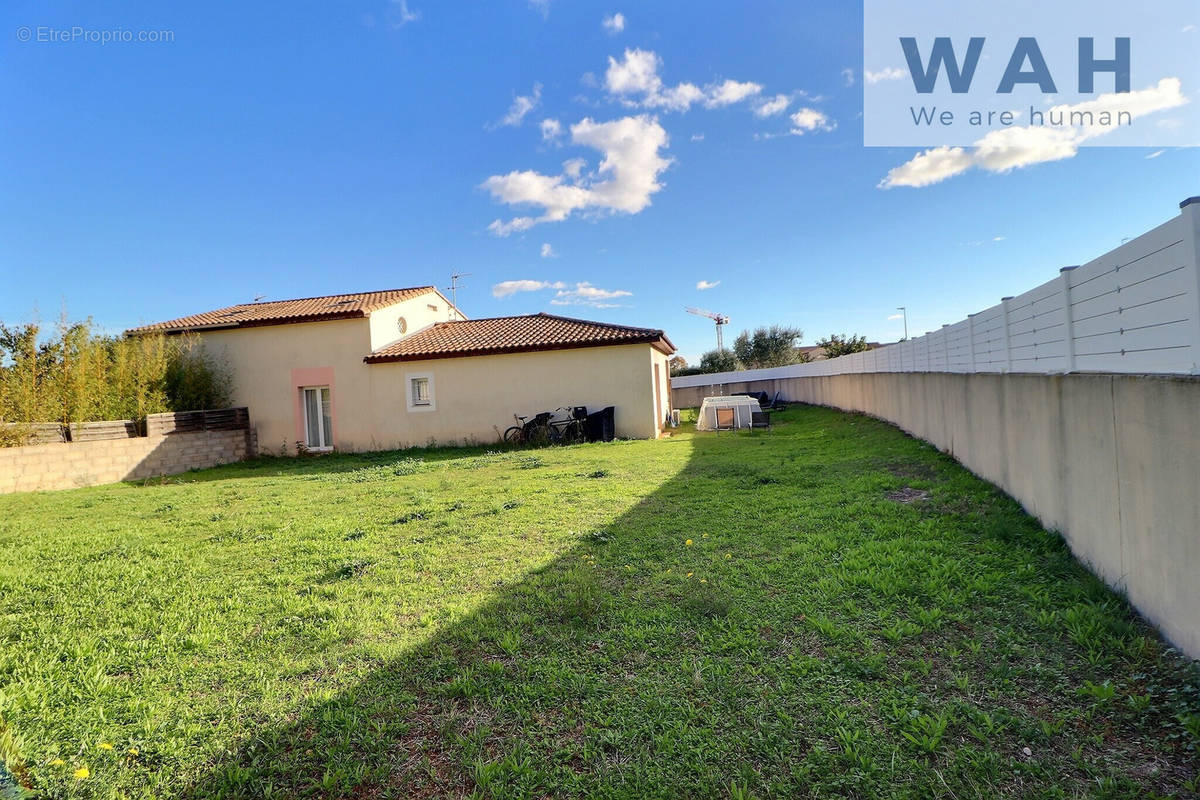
(74, 374)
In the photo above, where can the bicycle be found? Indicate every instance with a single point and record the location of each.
(529, 430)
(543, 429)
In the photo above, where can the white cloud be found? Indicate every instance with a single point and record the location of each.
(703, 285)
(541, 6)
(848, 76)
(895, 316)
(548, 251)
(585, 294)
(624, 181)
(729, 92)
(1010, 148)
(769, 107)
(1156, 154)
(999, 238)
(582, 293)
(522, 105)
(514, 225)
(1187, 29)
(399, 14)
(635, 81)
(505, 288)
(697, 137)
(808, 120)
(614, 24)
(885, 74)
(573, 167)
(551, 129)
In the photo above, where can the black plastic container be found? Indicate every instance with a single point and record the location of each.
(601, 426)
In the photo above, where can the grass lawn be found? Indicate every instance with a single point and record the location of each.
(827, 609)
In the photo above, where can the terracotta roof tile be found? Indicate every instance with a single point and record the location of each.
(283, 312)
(478, 337)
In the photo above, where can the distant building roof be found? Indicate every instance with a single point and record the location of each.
(481, 337)
(284, 312)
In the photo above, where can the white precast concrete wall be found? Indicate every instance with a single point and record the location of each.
(1135, 309)
(1108, 458)
(1110, 461)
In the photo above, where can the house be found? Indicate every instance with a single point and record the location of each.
(404, 367)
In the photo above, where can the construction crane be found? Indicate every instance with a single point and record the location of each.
(720, 319)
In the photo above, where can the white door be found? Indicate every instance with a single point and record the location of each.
(318, 421)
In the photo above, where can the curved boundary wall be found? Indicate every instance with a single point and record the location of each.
(1066, 397)
(1112, 462)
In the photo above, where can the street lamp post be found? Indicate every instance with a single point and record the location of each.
(904, 310)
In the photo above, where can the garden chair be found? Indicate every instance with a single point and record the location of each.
(726, 419)
(760, 419)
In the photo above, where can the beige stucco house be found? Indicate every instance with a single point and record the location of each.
(404, 367)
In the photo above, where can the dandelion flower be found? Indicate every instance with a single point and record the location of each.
(689, 574)
(704, 580)
(688, 542)
(729, 555)
(58, 762)
(133, 751)
(82, 773)
(105, 746)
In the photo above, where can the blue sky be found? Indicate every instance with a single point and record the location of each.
(294, 150)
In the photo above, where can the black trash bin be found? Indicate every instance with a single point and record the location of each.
(600, 425)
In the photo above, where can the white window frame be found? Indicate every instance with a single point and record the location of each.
(409, 378)
(324, 446)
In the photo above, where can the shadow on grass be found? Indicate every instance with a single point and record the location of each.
(766, 622)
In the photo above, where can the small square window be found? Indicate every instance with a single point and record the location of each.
(420, 391)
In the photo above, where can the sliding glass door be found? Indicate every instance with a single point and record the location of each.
(318, 421)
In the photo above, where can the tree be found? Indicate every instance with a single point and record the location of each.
(677, 364)
(75, 374)
(718, 361)
(768, 347)
(843, 345)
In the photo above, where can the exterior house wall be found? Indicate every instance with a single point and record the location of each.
(270, 363)
(419, 313)
(474, 398)
(662, 386)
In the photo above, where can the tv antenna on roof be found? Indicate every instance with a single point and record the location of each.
(455, 286)
(258, 297)
(720, 319)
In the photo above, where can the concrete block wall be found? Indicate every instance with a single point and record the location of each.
(1110, 461)
(75, 464)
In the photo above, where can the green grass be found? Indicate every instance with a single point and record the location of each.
(730, 615)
